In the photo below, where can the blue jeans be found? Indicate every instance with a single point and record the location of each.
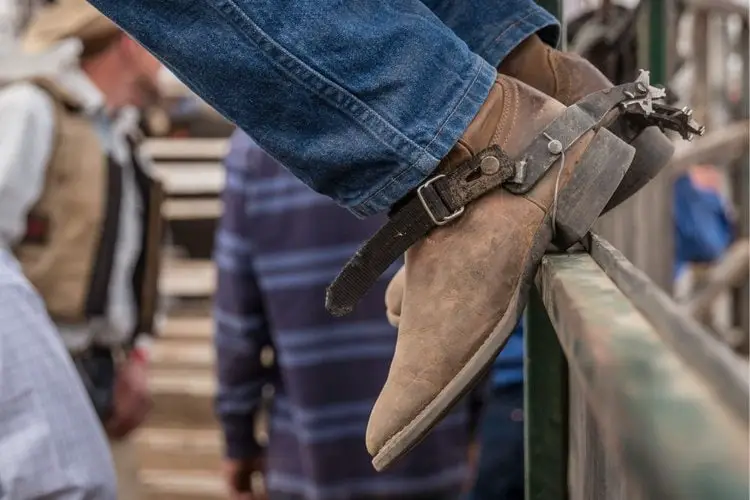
(360, 99)
(500, 472)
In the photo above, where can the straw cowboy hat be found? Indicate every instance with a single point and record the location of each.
(63, 19)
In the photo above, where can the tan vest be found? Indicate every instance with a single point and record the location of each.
(69, 247)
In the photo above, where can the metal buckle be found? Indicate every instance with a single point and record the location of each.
(445, 219)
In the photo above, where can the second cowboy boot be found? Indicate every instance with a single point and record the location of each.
(568, 78)
(469, 269)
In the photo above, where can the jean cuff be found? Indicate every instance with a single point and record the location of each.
(517, 28)
(402, 182)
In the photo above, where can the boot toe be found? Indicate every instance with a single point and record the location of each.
(399, 404)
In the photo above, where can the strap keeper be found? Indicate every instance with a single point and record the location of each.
(423, 199)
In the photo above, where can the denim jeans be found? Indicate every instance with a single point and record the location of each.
(360, 99)
(500, 473)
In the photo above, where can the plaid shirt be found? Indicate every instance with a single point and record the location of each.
(51, 442)
(278, 246)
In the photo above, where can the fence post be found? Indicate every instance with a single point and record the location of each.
(741, 191)
(546, 407)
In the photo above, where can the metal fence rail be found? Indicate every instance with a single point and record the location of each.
(627, 397)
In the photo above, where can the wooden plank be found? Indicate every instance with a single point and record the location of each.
(741, 193)
(646, 400)
(186, 179)
(188, 278)
(545, 407)
(185, 149)
(699, 98)
(724, 6)
(718, 147)
(187, 327)
(182, 398)
(192, 209)
(204, 164)
(730, 271)
(196, 356)
(715, 362)
(179, 449)
(183, 485)
(633, 226)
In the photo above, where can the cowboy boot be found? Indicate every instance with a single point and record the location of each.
(468, 279)
(568, 78)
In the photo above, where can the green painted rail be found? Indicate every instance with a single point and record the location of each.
(661, 413)
(626, 398)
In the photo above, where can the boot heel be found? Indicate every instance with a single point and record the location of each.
(653, 150)
(595, 179)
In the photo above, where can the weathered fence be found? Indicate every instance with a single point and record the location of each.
(627, 397)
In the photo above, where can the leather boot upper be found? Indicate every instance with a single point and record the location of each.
(462, 276)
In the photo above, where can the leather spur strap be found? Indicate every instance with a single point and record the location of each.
(435, 203)
(592, 112)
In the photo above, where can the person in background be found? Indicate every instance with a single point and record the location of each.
(500, 465)
(277, 247)
(704, 229)
(52, 444)
(81, 213)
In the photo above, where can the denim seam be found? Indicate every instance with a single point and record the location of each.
(477, 73)
(496, 42)
(406, 169)
(324, 88)
(475, 94)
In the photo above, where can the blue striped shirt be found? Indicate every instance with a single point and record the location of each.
(279, 244)
(508, 367)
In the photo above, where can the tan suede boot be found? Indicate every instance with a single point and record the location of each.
(468, 280)
(568, 78)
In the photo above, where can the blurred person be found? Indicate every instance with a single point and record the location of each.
(278, 245)
(500, 464)
(51, 444)
(704, 228)
(81, 212)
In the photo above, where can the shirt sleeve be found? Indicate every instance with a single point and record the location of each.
(51, 440)
(26, 139)
(241, 325)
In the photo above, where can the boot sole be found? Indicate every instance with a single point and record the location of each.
(597, 175)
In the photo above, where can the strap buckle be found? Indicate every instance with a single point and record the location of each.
(438, 222)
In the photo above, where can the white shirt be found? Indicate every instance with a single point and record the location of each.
(26, 138)
(52, 444)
